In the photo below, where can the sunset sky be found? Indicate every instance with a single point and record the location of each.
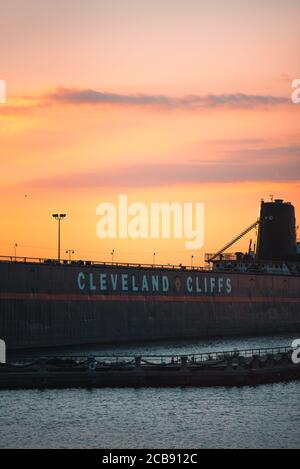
(163, 100)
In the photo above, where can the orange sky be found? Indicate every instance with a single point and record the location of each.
(185, 101)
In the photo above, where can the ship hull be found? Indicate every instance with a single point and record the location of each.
(59, 305)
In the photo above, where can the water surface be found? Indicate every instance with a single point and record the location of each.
(266, 416)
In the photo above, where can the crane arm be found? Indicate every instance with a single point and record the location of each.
(237, 238)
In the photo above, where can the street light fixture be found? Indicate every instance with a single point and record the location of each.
(112, 256)
(70, 252)
(59, 217)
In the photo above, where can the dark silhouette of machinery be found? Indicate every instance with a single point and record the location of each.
(276, 233)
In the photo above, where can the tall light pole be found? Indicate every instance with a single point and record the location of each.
(59, 217)
(70, 252)
(154, 254)
(15, 247)
(192, 259)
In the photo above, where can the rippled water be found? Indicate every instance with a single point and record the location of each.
(252, 417)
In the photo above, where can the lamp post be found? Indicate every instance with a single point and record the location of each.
(112, 256)
(15, 246)
(192, 259)
(154, 254)
(70, 252)
(59, 217)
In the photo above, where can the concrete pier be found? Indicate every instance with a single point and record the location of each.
(232, 368)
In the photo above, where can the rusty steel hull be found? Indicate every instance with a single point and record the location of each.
(44, 305)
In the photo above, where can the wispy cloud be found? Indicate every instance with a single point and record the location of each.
(238, 168)
(236, 141)
(284, 155)
(93, 97)
(90, 97)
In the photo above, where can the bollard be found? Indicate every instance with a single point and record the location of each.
(137, 361)
(184, 360)
(2, 351)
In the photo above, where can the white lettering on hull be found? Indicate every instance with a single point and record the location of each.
(147, 283)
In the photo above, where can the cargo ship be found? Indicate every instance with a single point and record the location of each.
(51, 303)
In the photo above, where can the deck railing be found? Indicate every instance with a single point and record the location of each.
(163, 359)
(40, 260)
(226, 256)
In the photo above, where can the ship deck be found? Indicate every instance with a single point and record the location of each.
(254, 267)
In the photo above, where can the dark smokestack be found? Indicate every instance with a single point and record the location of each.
(276, 239)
